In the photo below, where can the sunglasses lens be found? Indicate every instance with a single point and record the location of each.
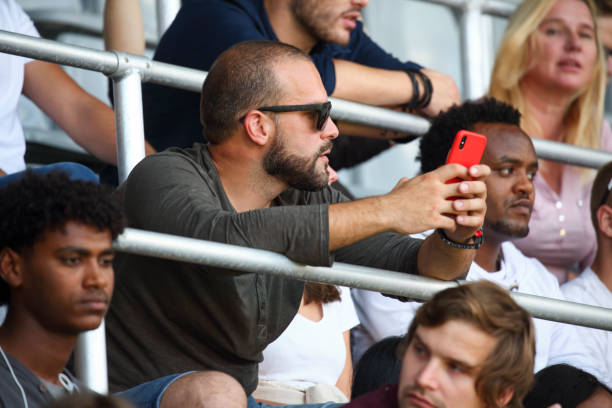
(323, 115)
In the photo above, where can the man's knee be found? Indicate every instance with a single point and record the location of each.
(205, 389)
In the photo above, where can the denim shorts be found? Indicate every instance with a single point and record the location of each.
(251, 403)
(149, 394)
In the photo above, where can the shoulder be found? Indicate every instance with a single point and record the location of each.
(533, 275)
(384, 397)
(606, 136)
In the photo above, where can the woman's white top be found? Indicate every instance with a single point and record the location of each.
(308, 352)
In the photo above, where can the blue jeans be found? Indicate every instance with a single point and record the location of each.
(149, 395)
(74, 170)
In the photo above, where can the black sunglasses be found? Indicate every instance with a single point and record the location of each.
(606, 193)
(322, 109)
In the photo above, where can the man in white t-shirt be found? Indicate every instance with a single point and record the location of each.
(87, 120)
(510, 195)
(594, 285)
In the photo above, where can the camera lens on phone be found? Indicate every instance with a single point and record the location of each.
(462, 142)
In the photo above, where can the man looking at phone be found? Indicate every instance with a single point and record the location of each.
(262, 183)
(510, 195)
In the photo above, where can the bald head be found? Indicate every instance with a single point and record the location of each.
(243, 78)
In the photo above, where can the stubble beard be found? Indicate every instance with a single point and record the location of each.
(319, 23)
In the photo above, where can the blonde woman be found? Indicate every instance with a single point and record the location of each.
(551, 67)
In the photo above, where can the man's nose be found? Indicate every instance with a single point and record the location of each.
(428, 376)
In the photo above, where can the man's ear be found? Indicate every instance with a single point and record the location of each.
(505, 398)
(259, 127)
(11, 267)
(604, 220)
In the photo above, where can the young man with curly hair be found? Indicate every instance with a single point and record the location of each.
(56, 277)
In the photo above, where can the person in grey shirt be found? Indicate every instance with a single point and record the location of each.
(56, 277)
(262, 183)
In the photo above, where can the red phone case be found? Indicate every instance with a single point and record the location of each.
(467, 150)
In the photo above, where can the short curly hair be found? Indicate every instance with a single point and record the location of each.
(435, 144)
(37, 203)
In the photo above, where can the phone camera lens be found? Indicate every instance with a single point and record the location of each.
(462, 143)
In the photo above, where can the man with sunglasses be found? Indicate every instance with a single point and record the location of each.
(261, 182)
(594, 285)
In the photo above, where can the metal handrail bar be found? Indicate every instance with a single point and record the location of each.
(492, 7)
(112, 63)
(396, 283)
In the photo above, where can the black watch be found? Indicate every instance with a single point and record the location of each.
(477, 237)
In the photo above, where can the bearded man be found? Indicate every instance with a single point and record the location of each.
(261, 182)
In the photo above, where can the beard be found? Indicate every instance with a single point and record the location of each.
(508, 229)
(318, 21)
(298, 172)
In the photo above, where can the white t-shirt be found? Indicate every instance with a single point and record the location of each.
(12, 142)
(556, 343)
(309, 353)
(587, 288)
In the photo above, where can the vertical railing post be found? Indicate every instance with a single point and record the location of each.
(128, 115)
(166, 11)
(470, 22)
(90, 355)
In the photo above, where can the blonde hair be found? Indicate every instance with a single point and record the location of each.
(585, 113)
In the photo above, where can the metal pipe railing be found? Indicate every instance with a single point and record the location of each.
(190, 79)
(128, 71)
(396, 283)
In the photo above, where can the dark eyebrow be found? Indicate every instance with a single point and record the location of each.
(507, 159)
(82, 251)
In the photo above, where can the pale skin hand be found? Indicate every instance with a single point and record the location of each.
(415, 205)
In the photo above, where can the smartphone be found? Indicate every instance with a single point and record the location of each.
(467, 150)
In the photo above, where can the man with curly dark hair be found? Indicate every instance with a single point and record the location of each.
(510, 199)
(56, 278)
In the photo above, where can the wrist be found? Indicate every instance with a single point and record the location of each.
(473, 242)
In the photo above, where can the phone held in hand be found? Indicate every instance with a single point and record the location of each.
(467, 150)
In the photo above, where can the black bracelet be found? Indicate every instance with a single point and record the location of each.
(478, 238)
(413, 102)
(427, 90)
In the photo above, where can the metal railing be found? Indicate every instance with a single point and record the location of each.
(129, 71)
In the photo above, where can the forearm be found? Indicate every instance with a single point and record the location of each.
(354, 221)
(372, 86)
(123, 26)
(344, 382)
(441, 261)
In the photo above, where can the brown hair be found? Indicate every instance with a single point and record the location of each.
(317, 292)
(604, 7)
(600, 186)
(241, 78)
(489, 308)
